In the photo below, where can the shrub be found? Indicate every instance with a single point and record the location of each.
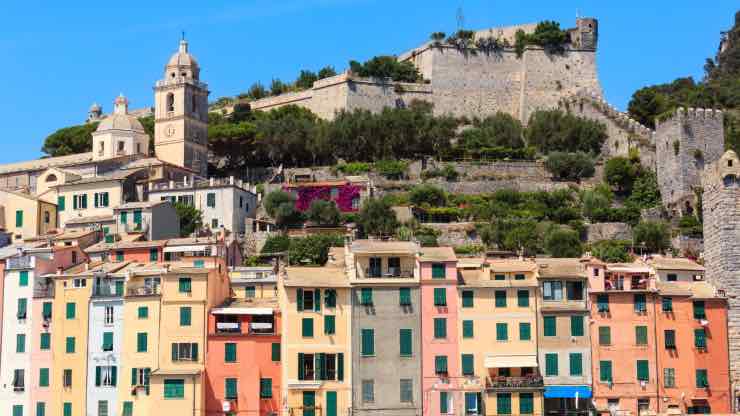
(689, 225)
(570, 166)
(428, 195)
(469, 249)
(383, 67)
(276, 243)
(313, 249)
(191, 219)
(391, 169)
(652, 235)
(645, 191)
(426, 236)
(611, 251)
(280, 206)
(498, 130)
(448, 172)
(621, 174)
(377, 218)
(555, 130)
(257, 91)
(354, 168)
(327, 72)
(563, 242)
(277, 87)
(323, 212)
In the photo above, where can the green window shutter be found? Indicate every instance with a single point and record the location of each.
(368, 342)
(605, 335)
(23, 278)
(641, 335)
(551, 365)
(500, 298)
(67, 409)
(119, 287)
(96, 198)
(467, 298)
(143, 312)
(211, 199)
(670, 338)
(98, 375)
(702, 379)
(71, 310)
(550, 326)
(526, 403)
(502, 331)
(406, 348)
(576, 325)
(519, 277)
(174, 388)
(230, 388)
(330, 298)
(137, 218)
(443, 403)
(17, 410)
(602, 303)
(468, 364)
(317, 300)
(46, 310)
(184, 285)
(43, 377)
(640, 303)
(265, 388)
(250, 292)
(471, 403)
(70, 345)
(499, 277)
(275, 352)
(185, 315)
(700, 338)
(41, 409)
(605, 371)
(83, 201)
(307, 327)
(60, 203)
(699, 312)
(667, 304)
(301, 370)
(45, 341)
(522, 298)
(128, 408)
(124, 217)
(440, 296)
(438, 271)
(440, 364)
(525, 331)
(22, 311)
(576, 363)
(503, 403)
(643, 374)
(19, 218)
(141, 342)
(153, 254)
(299, 299)
(366, 296)
(467, 330)
(230, 352)
(119, 255)
(329, 325)
(404, 296)
(440, 328)
(106, 202)
(340, 366)
(107, 341)
(20, 343)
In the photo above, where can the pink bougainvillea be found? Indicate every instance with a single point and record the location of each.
(347, 193)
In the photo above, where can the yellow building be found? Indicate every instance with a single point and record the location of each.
(498, 327)
(26, 216)
(316, 307)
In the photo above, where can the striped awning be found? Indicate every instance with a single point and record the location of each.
(508, 361)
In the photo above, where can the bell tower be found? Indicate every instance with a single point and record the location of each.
(181, 114)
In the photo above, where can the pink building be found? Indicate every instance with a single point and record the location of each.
(439, 331)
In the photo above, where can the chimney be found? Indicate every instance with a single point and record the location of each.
(59, 271)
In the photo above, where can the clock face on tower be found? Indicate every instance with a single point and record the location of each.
(169, 131)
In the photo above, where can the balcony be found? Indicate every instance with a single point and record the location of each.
(19, 263)
(144, 291)
(261, 328)
(391, 272)
(509, 383)
(228, 328)
(104, 290)
(43, 291)
(251, 328)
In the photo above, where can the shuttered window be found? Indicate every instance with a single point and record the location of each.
(641, 335)
(502, 331)
(550, 326)
(702, 379)
(45, 341)
(670, 338)
(174, 388)
(143, 312)
(23, 278)
(67, 409)
(443, 403)
(185, 316)
(576, 363)
(153, 254)
(368, 342)
(405, 340)
(440, 364)
(503, 403)
(71, 310)
(699, 312)
(141, 342)
(468, 364)
(46, 310)
(525, 331)
(467, 298)
(230, 352)
(184, 285)
(700, 338)
(643, 373)
(438, 271)
(107, 341)
(640, 303)
(275, 352)
(329, 325)
(526, 403)
(500, 298)
(366, 296)
(602, 303)
(307, 327)
(265, 388)
(551, 365)
(605, 371)
(330, 298)
(440, 328)
(605, 335)
(20, 343)
(467, 329)
(61, 203)
(576, 326)
(404, 296)
(19, 218)
(667, 304)
(22, 310)
(522, 298)
(440, 296)
(230, 388)
(70, 345)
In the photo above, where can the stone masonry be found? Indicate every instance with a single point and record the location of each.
(721, 207)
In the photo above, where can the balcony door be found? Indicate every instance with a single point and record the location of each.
(309, 403)
(376, 266)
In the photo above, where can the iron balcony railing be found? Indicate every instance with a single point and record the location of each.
(391, 272)
(19, 263)
(503, 382)
(143, 291)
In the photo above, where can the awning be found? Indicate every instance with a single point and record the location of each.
(506, 361)
(567, 392)
(242, 311)
(182, 249)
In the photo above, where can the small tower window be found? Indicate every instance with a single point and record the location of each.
(120, 146)
(729, 163)
(195, 103)
(184, 74)
(172, 75)
(170, 102)
(51, 178)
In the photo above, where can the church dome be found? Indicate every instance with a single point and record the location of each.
(120, 119)
(182, 63)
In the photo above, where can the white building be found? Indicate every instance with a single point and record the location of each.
(119, 134)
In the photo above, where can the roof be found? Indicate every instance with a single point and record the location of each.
(90, 219)
(177, 371)
(22, 194)
(139, 204)
(45, 163)
(316, 277)
(511, 265)
(12, 250)
(696, 290)
(182, 57)
(628, 267)
(384, 247)
(675, 263)
(437, 254)
(567, 267)
(138, 244)
(117, 175)
(186, 241)
(117, 121)
(247, 306)
(73, 233)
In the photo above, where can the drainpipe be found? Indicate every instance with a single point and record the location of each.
(733, 400)
(655, 348)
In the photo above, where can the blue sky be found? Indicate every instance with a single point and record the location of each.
(59, 57)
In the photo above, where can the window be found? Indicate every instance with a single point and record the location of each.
(700, 339)
(124, 217)
(702, 380)
(22, 309)
(405, 341)
(41, 409)
(230, 352)
(368, 342)
(440, 328)
(141, 342)
(471, 403)
(500, 298)
(70, 345)
(250, 292)
(265, 388)
(153, 254)
(602, 303)
(214, 223)
(307, 327)
(670, 338)
(17, 410)
(404, 296)
(108, 315)
(185, 315)
(407, 390)
(211, 200)
(79, 201)
(184, 285)
(643, 373)
(444, 405)
(106, 376)
(574, 290)
(128, 408)
(640, 335)
(526, 403)
(101, 199)
(230, 389)
(605, 335)
(525, 331)
(67, 409)
(19, 218)
(71, 310)
(78, 283)
(552, 290)
(47, 217)
(440, 296)
(576, 326)
(119, 255)
(368, 391)
(467, 298)
(174, 388)
(143, 312)
(185, 351)
(467, 329)
(468, 365)
(20, 343)
(305, 299)
(140, 377)
(551, 365)
(330, 298)
(669, 377)
(522, 297)
(605, 371)
(440, 364)
(46, 310)
(672, 277)
(306, 367)
(60, 203)
(366, 296)
(667, 304)
(275, 353)
(503, 403)
(67, 377)
(107, 341)
(550, 326)
(19, 380)
(502, 331)
(329, 325)
(45, 341)
(640, 303)
(23, 278)
(699, 312)
(499, 277)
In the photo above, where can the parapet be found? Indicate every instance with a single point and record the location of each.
(726, 166)
(689, 114)
(621, 119)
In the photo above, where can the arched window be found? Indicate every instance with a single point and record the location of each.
(170, 102)
(51, 178)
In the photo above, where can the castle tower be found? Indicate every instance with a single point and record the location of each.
(119, 134)
(586, 33)
(181, 114)
(685, 143)
(721, 209)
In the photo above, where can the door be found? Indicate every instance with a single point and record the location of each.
(375, 267)
(309, 403)
(331, 403)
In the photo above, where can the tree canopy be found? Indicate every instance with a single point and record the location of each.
(70, 140)
(191, 219)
